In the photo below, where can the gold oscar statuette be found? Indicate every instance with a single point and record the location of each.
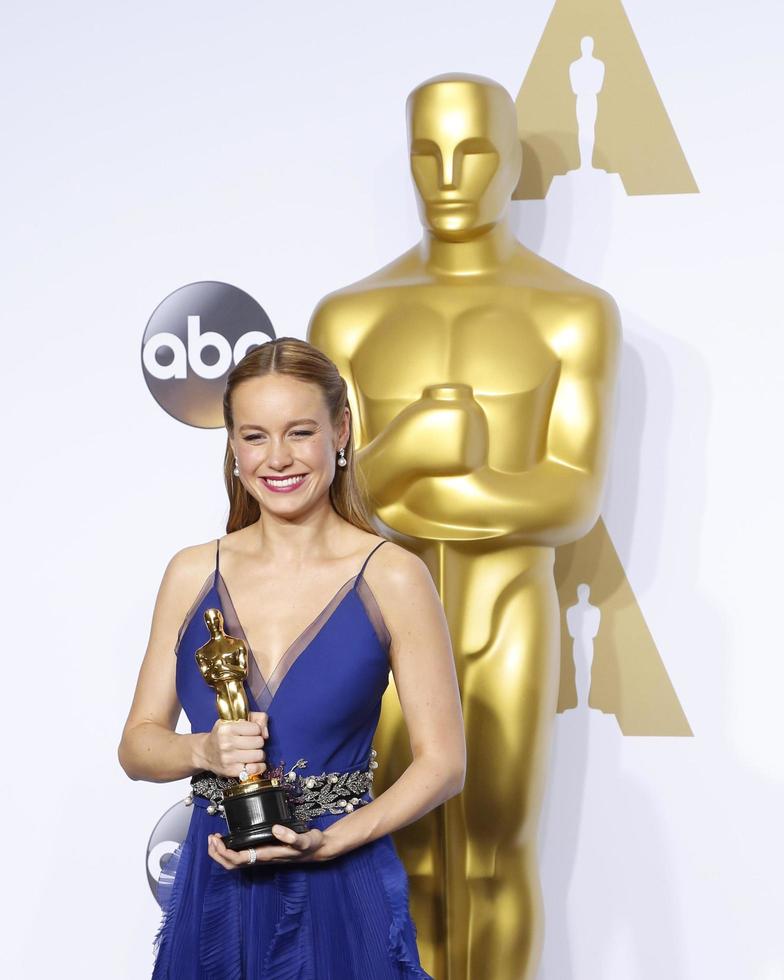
(251, 805)
(481, 379)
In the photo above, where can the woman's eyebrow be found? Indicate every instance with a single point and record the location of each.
(251, 425)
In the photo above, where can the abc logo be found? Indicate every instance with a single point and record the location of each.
(192, 340)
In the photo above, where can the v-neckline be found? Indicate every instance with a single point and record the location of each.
(266, 681)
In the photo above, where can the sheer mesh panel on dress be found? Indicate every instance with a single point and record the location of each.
(194, 606)
(374, 613)
(233, 627)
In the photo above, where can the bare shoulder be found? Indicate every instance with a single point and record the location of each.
(185, 574)
(412, 611)
(401, 583)
(396, 565)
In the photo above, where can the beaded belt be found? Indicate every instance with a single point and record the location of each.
(309, 796)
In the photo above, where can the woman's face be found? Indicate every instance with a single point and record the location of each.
(285, 445)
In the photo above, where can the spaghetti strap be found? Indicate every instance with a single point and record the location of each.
(217, 555)
(359, 573)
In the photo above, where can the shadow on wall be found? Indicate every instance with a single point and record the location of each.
(607, 866)
(602, 827)
(610, 888)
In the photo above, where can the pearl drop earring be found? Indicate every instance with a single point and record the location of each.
(236, 470)
(342, 461)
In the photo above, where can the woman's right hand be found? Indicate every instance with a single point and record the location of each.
(232, 744)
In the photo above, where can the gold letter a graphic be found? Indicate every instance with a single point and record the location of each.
(589, 64)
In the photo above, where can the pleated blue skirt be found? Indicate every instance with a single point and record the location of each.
(343, 919)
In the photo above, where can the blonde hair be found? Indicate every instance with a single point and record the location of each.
(298, 359)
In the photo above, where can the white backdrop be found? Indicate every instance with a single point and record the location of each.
(149, 145)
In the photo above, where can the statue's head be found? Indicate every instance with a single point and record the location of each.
(214, 620)
(465, 153)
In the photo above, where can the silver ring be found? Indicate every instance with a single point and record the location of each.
(252, 855)
(244, 774)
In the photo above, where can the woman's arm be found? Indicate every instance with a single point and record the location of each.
(423, 667)
(149, 748)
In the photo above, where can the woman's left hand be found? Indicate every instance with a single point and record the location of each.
(294, 848)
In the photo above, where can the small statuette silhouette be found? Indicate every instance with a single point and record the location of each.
(254, 802)
(582, 621)
(586, 76)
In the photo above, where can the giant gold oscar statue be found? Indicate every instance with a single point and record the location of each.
(481, 379)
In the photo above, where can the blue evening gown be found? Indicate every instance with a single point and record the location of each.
(343, 919)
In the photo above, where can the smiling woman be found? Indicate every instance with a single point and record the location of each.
(269, 442)
(322, 626)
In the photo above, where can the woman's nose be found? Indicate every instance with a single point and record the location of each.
(279, 454)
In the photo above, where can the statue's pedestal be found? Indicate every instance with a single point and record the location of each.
(593, 180)
(587, 194)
